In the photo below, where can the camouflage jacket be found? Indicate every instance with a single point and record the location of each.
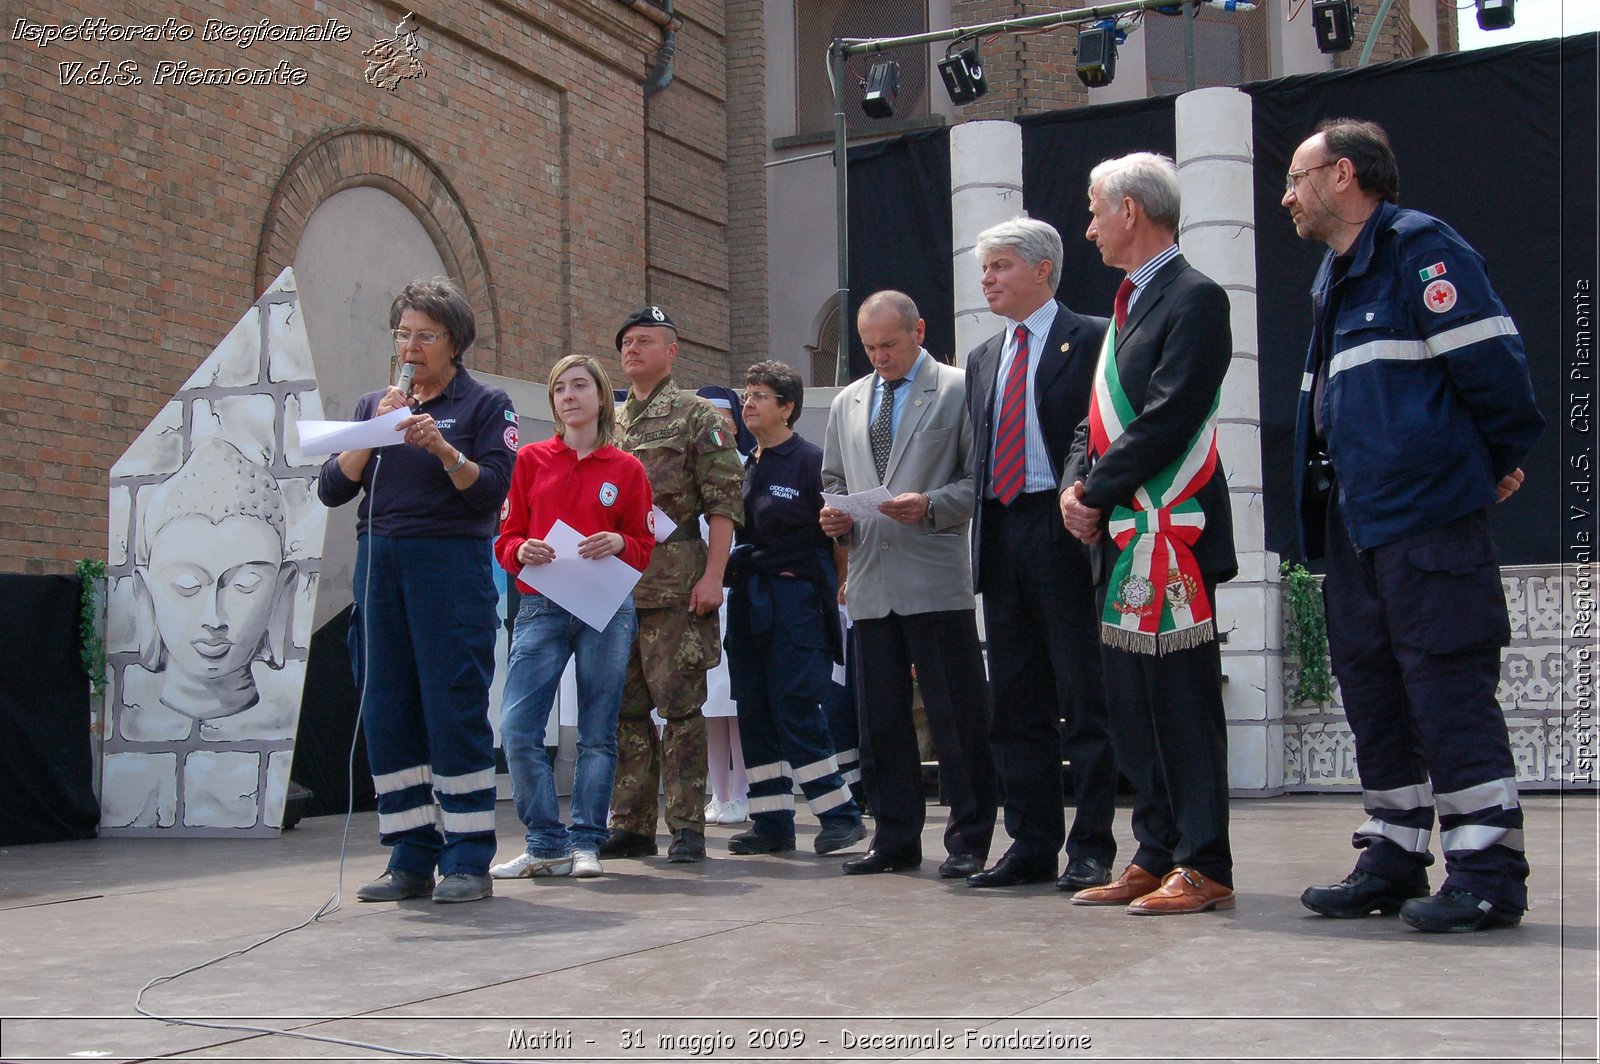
(688, 451)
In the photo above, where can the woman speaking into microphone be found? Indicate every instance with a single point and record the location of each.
(423, 632)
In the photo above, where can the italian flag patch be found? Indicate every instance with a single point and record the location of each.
(1428, 274)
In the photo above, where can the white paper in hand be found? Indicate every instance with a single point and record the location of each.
(590, 589)
(860, 505)
(326, 437)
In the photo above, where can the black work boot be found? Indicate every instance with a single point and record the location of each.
(688, 845)
(1454, 910)
(1362, 894)
(628, 844)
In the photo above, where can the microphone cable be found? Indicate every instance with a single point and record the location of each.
(335, 900)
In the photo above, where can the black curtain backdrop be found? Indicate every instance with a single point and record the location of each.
(1058, 151)
(328, 712)
(44, 714)
(328, 719)
(900, 235)
(1500, 144)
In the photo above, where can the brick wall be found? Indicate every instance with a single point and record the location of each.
(140, 220)
(1029, 73)
(686, 143)
(747, 187)
(1398, 37)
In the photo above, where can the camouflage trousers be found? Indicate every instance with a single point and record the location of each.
(667, 672)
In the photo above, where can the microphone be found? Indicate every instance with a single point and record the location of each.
(408, 370)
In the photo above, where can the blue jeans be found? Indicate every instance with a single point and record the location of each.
(546, 637)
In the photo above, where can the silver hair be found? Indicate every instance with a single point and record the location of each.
(1149, 179)
(1033, 241)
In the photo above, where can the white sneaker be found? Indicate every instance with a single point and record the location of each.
(586, 865)
(734, 811)
(527, 866)
(714, 810)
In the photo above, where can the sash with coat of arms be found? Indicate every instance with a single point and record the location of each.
(1156, 602)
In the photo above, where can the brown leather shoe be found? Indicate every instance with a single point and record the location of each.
(1184, 891)
(1134, 882)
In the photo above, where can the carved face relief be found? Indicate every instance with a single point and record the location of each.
(212, 587)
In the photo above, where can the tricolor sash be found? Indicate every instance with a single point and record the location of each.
(1156, 602)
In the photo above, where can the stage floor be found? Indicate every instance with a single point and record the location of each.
(780, 958)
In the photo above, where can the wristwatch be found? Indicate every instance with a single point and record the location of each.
(461, 460)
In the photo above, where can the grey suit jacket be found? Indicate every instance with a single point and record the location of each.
(894, 567)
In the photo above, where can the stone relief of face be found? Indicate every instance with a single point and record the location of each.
(213, 590)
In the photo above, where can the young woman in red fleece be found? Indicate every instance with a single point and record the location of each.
(579, 477)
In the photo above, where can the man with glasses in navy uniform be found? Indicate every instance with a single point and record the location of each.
(1415, 412)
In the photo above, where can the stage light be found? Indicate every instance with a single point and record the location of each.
(963, 75)
(1097, 55)
(883, 85)
(1334, 21)
(1496, 14)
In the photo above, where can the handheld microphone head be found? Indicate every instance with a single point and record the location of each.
(407, 371)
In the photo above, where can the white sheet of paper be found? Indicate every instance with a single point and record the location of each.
(861, 504)
(590, 589)
(665, 526)
(326, 437)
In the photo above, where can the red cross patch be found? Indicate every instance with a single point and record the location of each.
(1439, 296)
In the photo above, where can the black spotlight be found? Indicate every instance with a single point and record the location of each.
(963, 76)
(1334, 21)
(1496, 14)
(1097, 56)
(883, 85)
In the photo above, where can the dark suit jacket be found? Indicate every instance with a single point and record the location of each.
(1171, 357)
(1061, 389)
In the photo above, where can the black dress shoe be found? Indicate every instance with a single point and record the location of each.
(1083, 873)
(1362, 893)
(1456, 910)
(1012, 871)
(875, 861)
(960, 866)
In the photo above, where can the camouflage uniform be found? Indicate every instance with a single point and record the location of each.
(694, 469)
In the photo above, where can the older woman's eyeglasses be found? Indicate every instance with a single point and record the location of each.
(426, 339)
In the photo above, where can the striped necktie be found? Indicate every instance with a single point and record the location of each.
(1010, 434)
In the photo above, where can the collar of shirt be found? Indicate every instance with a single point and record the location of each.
(910, 377)
(1039, 324)
(1143, 274)
(447, 394)
(783, 448)
(656, 404)
(902, 395)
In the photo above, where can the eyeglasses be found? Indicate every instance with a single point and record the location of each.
(756, 397)
(426, 339)
(1295, 175)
